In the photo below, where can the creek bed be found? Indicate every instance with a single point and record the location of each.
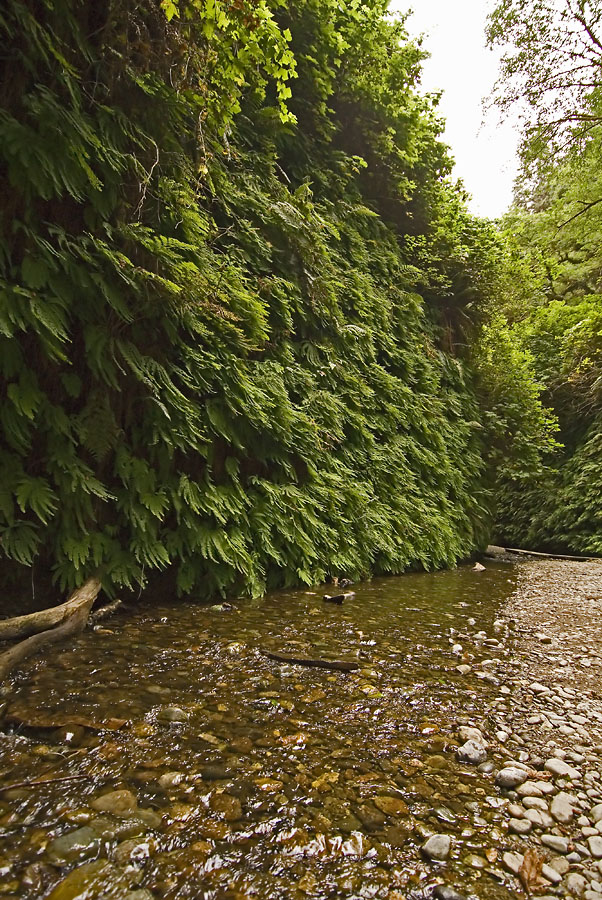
(235, 776)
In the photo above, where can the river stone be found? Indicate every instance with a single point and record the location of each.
(595, 846)
(227, 805)
(562, 808)
(513, 861)
(444, 892)
(550, 874)
(391, 806)
(133, 850)
(437, 847)
(575, 884)
(464, 669)
(172, 714)
(97, 880)
(561, 864)
(529, 789)
(520, 826)
(556, 843)
(118, 803)
(561, 769)
(170, 780)
(595, 812)
(73, 845)
(510, 777)
(467, 733)
(472, 752)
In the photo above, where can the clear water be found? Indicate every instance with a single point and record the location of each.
(291, 782)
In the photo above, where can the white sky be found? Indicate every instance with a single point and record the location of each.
(463, 67)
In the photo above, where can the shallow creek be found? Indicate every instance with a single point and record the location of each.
(243, 777)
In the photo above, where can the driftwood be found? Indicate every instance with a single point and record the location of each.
(41, 720)
(338, 665)
(34, 783)
(338, 598)
(551, 555)
(72, 617)
(99, 614)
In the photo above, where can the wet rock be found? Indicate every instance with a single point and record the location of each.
(170, 780)
(472, 752)
(391, 806)
(73, 846)
(133, 851)
(227, 806)
(170, 714)
(118, 803)
(464, 669)
(437, 847)
(98, 880)
(214, 772)
(444, 892)
(511, 777)
(370, 817)
(397, 836)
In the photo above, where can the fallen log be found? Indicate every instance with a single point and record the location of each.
(73, 618)
(551, 555)
(99, 614)
(337, 665)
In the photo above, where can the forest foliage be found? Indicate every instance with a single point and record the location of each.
(554, 240)
(246, 335)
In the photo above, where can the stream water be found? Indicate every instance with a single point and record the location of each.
(235, 776)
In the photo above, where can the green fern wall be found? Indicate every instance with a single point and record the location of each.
(221, 351)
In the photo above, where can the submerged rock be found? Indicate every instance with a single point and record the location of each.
(73, 846)
(172, 714)
(99, 880)
(118, 803)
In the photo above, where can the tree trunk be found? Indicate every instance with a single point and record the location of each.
(52, 624)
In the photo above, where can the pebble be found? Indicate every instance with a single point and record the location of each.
(575, 884)
(550, 874)
(472, 752)
(555, 842)
(596, 812)
(444, 892)
(520, 826)
(513, 861)
(595, 846)
(511, 777)
(562, 808)
(562, 769)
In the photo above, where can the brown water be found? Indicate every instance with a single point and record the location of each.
(281, 781)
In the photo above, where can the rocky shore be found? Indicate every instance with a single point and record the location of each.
(541, 737)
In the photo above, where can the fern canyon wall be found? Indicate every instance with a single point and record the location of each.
(245, 336)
